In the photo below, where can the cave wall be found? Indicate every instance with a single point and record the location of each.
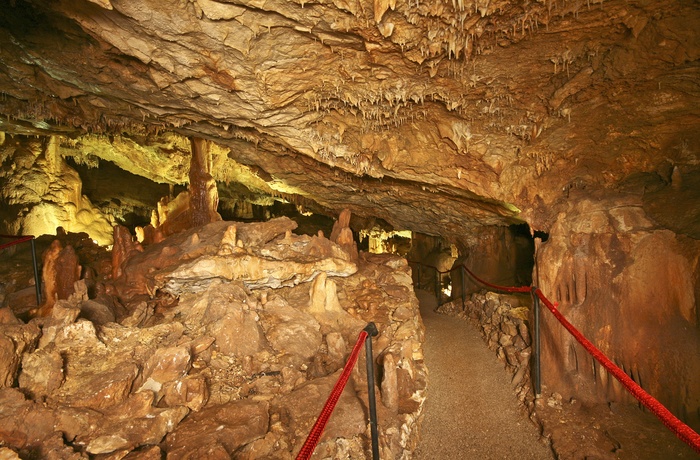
(631, 288)
(440, 118)
(221, 341)
(40, 192)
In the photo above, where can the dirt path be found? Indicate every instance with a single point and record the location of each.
(471, 411)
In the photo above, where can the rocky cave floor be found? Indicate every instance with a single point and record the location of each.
(570, 429)
(221, 341)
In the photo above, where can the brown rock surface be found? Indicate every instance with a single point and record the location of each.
(230, 367)
(289, 330)
(60, 272)
(446, 118)
(15, 341)
(204, 197)
(641, 268)
(458, 108)
(342, 234)
(303, 405)
(223, 428)
(42, 373)
(123, 248)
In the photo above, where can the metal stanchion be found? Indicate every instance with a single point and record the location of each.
(372, 331)
(464, 288)
(437, 286)
(37, 280)
(536, 340)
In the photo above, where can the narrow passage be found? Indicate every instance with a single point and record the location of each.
(471, 411)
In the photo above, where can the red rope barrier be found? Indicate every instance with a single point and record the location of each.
(312, 440)
(683, 431)
(17, 240)
(495, 286)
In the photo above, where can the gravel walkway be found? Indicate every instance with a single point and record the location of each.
(471, 411)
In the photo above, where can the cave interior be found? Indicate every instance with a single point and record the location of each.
(552, 143)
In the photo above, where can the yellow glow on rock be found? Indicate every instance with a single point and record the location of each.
(282, 187)
(380, 240)
(45, 218)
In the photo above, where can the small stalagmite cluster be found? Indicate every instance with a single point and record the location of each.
(220, 341)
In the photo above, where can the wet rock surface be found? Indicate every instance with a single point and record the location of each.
(226, 344)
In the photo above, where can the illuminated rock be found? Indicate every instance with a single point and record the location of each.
(52, 192)
(60, 272)
(218, 366)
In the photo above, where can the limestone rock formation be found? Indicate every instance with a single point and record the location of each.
(342, 234)
(60, 272)
(642, 268)
(423, 96)
(579, 119)
(41, 192)
(231, 360)
(122, 249)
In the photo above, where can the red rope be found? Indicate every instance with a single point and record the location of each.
(495, 286)
(312, 440)
(683, 431)
(17, 240)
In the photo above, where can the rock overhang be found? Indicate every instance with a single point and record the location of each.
(437, 116)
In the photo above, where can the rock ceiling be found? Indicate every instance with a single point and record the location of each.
(436, 116)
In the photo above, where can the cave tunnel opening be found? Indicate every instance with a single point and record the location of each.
(308, 223)
(504, 256)
(501, 254)
(130, 199)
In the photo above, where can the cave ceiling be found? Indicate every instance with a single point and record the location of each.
(436, 116)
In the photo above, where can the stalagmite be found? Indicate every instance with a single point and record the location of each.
(123, 248)
(204, 198)
(61, 271)
(342, 234)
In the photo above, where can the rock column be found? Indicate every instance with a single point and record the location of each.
(204, 197)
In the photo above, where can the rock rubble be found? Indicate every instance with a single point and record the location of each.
(227, 341)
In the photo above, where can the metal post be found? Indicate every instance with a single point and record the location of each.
(372, 331)
(437, 286)
(37, 280)
(464, 289)
(536, 340)
(420, 274)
